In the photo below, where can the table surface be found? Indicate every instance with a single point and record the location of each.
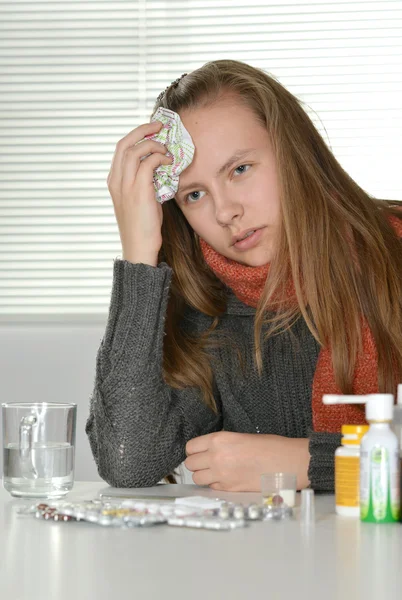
(336, 558)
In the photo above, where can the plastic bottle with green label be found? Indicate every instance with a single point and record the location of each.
(379, 458)
(379, 463)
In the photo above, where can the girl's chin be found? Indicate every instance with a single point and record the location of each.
(256, 260)
(250, 263)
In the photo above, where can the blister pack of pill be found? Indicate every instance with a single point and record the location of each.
(192, 513)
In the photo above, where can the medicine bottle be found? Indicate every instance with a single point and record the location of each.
(396, 427)
(379, 463)
(347, 471)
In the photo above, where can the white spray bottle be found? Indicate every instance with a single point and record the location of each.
(379, 458)
(397, 429)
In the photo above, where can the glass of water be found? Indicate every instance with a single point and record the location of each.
(38, 448)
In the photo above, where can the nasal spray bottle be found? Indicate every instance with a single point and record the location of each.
(397, 429)
(379, 458)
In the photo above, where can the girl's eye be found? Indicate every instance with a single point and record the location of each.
(193, 196)
(242, 169)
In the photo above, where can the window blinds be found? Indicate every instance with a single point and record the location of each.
(77, 76)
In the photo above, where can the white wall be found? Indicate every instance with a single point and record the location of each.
(52, 363)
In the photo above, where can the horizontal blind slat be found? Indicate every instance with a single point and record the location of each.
(75, 78)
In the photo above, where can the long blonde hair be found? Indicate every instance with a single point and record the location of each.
(335, 242)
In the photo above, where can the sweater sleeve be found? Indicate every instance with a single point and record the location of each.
(321, 471)
(138, 426)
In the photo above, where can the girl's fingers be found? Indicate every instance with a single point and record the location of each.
(197, 462)
(126, 142)
(148, 166)
(132, 155)
(142, 174)
(205, 477)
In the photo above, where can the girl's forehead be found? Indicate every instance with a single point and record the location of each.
(229, 115)
(223, 125)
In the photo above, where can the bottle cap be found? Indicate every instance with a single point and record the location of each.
(379, 407)
(352, 434)
(307, 513)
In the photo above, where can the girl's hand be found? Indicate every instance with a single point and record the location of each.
(234, 462)
(130, 183)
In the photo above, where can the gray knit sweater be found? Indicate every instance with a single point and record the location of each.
(138, 425)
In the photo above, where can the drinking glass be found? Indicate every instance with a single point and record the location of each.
(38, 448)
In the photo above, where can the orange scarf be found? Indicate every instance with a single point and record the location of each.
(247, 284)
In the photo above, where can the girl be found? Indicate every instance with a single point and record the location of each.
(220, 350)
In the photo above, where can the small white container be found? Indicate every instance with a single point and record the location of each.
(281, 485)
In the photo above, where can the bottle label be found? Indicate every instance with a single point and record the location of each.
(400, 487)
(347, 471)
(379, 489)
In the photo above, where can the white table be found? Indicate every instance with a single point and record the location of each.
(336, 559)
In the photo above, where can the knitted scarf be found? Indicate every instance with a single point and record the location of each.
(247, 284)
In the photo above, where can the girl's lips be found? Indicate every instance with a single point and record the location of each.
(250, 241)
